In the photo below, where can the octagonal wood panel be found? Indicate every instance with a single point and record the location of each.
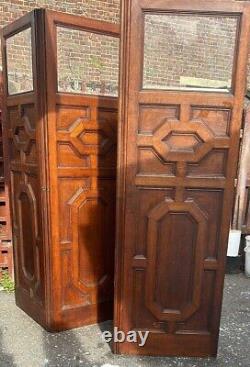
(181, 262)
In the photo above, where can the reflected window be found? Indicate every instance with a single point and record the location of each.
(19, 62)
(88, 63)
(189, 52)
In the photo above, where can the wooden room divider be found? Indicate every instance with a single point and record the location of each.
(182, 84)
(61, 82)
(179, 129)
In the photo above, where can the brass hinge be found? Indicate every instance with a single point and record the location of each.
(235, 182)
(45, 189)
(241, 133)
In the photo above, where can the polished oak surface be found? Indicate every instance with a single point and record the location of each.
(178, 154)
(62, 164)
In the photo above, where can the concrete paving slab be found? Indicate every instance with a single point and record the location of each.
(23, 343)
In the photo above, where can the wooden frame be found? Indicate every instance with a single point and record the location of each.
(51, 268)
(146, 197)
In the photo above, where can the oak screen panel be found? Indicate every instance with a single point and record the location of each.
(88, 62)
(176, 169)
(19, 62)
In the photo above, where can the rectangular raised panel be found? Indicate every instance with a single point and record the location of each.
(69, 157)
(87, 62)
(152, 116)
(217, 119)
(189, 51)
(146, 199)
(142, 318)
(158, 166)
(27, 235)
(64, 122)
(177, 166)
(211, 202)
(201, 320)
(72, 298)
(19, 62)
(13, 116)
(67, 189)
(107, 119)
(214, 164)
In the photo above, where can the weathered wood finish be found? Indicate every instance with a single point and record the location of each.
(63, 187)
(174, 203)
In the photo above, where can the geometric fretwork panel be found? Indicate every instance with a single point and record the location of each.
(26, 202)
(86, 137)
(22, 129)
(86, 170)
(218, 120)
(186, 139)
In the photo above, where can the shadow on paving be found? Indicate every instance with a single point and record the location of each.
(6, 360)
(23, 343)
(63, 349)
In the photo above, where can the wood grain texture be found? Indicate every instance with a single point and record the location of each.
(82, 169)
(176, 168)
(62, 150)
(23, 145)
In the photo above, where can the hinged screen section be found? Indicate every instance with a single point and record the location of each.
(188, 51)
(88, 62)
(19, 62)
(177, 162)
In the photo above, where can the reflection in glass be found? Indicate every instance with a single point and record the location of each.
(87, 62)
(189, 51)
(19, 62)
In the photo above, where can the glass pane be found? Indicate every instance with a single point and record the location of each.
(188, 51)
(87, 62)
(19, 62)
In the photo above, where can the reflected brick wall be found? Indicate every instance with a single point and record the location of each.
(87, 62)
(189, 51)
(213, 58)
(71, 61)
(19, 60)
(100, 9)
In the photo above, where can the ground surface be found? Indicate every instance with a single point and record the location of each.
(23, 343)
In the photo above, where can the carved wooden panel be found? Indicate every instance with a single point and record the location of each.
(178, 159)
(86, 161)
(62, 158)
(26, 204)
